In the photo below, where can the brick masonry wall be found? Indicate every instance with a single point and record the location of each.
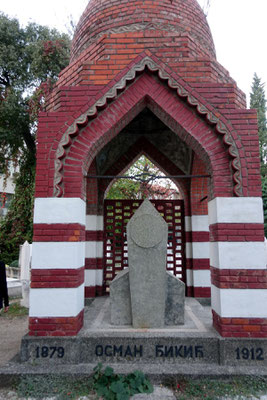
(64, 326)
(102, 17)
(59, 278)
(59, 233)
(146, 84)
(236, 232)
(240, 327)
(239, 278)
(45, 173)
(199, 188)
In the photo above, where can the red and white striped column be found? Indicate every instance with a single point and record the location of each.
(94, 256)
(197, 256)
(238, 267)
(57, 277)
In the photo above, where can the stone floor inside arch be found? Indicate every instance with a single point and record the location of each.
(198, 319)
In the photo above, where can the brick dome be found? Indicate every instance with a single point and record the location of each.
(179, 18)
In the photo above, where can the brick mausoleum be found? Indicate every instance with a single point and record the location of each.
(144, 79)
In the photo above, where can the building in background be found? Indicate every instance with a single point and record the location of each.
(7, 190)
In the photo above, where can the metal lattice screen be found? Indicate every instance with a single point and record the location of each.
(116, 216)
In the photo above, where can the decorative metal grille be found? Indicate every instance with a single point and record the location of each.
(116, 216)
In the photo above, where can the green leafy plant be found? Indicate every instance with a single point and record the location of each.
(113, 386)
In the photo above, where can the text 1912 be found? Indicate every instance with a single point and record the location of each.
(249, 354)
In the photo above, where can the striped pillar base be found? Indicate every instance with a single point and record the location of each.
(94, 256)
(197, 256)
(238, 267)
(57, 275)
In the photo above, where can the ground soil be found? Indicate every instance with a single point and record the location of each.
(11, 332)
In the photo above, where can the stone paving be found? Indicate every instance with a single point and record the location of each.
(160, 393)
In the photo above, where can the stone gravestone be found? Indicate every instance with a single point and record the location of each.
(146, 295)
(24, 264)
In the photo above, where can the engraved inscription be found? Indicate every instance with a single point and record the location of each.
(120, 351)
(49, 352)
(179, 351)
(245, 353)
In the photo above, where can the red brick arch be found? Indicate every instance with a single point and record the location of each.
(195, 124)
(142, 146)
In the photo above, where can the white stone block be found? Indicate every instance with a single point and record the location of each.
(56, 302)
(189, 277)
(200, 223)
(235, 210)
(94, 222)
(94, 249)
(239, 303)
(53, 210)
(197, 250)
(54, 255)
(188, 224)
(201, 278)
(90, 277)
(237, 255)
(99, 277)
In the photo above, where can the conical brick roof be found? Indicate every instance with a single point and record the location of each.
(182, 18)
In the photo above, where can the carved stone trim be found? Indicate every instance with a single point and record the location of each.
(111, 94)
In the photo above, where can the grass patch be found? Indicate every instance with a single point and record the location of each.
(61, 387)
(104, 384)
(186, 389)
(15, 310)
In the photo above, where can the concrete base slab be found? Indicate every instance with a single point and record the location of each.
(157, 373)
(193, 349)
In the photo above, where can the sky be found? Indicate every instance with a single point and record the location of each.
(239, 29)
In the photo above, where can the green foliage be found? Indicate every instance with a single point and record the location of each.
(258, 101)
(124, 189)
(16, 227)
(264, 199)
(113, 386)
(132, 189)
(30, 61)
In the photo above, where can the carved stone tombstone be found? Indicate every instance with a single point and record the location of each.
(145, 295)
(147, 235)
